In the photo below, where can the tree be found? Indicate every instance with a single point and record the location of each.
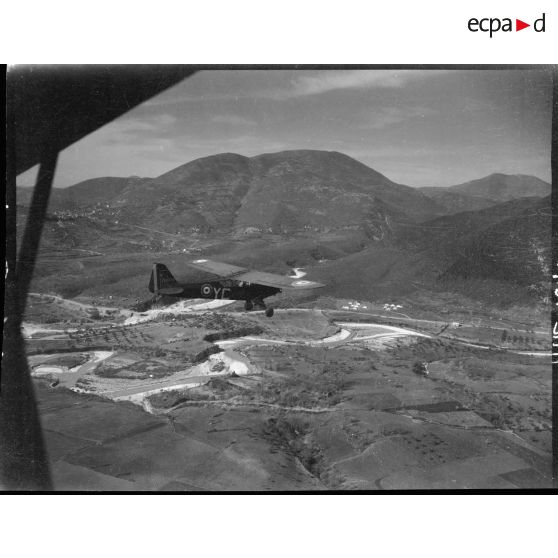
(420, 368)
(94, 314)
(504, 335)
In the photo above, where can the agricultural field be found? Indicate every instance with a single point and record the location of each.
(308, 400)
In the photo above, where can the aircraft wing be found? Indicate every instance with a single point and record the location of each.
(279, 281)
(259, 277)
(218, 268)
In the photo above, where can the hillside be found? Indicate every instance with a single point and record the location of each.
(348, 225)
(447, 235)
(99, 190)
(84, 194)
(517, 249)
(454, 202)
(500, 256)
(285, 192)
(56, 200)
(509, 242)
(321, 190)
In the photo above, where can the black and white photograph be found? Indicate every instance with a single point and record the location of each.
(281, 279)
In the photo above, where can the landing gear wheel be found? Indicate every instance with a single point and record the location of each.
(248, 306)
(269, 312)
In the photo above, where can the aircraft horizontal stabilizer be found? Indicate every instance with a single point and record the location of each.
(171, 290)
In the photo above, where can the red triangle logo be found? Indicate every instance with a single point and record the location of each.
(519, 25)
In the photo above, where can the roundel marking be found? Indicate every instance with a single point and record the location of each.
(206, 290)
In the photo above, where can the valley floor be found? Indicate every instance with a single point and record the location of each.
(191, 399)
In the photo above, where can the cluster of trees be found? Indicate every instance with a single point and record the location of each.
(519, 339)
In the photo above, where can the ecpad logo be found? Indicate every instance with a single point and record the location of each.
(494, 24)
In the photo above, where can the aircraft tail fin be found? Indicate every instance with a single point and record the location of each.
(161, 279)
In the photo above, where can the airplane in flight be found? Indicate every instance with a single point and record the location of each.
(235, 283)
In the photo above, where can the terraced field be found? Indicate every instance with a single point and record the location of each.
(191, 399)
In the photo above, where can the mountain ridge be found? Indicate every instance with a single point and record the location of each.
(279, 192)
(486, 191)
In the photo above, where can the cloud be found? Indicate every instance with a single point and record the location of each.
(290, 85)
(357, 79)
(232, 120)
(147, 123)
(166, 99)
(383, 117)
(245, 144)
(135, 129)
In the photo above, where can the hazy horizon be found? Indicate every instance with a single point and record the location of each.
(417, 127)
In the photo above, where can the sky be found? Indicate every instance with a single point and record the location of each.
(417, 127)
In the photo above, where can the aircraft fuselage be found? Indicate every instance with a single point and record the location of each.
(163, 283)
(225, 290)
